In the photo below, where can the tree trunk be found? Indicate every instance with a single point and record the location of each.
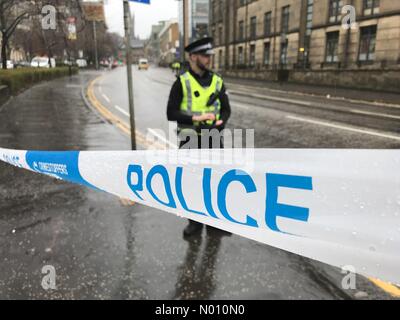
(4, 53)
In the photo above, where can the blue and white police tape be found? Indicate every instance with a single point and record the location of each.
(339, 207)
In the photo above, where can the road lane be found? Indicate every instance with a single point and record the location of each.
(276, 119)
(152, 90)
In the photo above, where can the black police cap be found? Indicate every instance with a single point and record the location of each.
(202, 46)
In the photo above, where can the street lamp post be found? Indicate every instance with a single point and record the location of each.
(183, 34)
(96, 55)
(127, 16)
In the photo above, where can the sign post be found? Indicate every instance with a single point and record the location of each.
(127, 19)
(94, 12)
(96, 54)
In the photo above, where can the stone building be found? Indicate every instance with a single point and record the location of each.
(153, 43)
(309, 41)
(193, 19)
(169, 43)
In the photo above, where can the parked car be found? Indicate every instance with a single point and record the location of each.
(81, 63)
(43, 62)
(68, 62)
(10, 64)
(105, 63)
(22, 64)
(143, 64)
(115, 64)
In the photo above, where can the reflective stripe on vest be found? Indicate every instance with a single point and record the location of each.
(188, 91)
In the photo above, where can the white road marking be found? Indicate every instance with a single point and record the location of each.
(347, 128)
(240, 105)
(122, 111)
(355, 111)
(376, 114)
(106, 98)
(265, 97)
(157, 135)
(337, 98)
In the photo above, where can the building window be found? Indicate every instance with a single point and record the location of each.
(332, 45)
(285, 19)
(241, 30)
(371, 7)
(253, 55)
(220, 36)
(220, 5)
(284, 52)
(267, 24)
(241, 56)
(267, 52)
(221, 60)
(335, 8)
(253, 27)
(367, 44)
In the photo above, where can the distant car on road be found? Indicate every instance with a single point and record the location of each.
(143, 64)
(43, 62)
(105, 63)
(115, 64)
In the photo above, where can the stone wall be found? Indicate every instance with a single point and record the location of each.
(379, 80)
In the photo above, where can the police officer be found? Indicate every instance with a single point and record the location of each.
(198, 101)
(176, 68)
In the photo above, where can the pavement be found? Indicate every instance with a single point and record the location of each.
(103, 247)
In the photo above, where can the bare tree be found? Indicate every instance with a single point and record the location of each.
(55, 42)
(12, 13)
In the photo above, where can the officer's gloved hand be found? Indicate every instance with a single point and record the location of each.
(204, 117)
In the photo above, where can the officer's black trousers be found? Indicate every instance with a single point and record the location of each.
(197, 142)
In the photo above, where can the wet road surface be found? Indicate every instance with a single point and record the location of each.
(102, 248)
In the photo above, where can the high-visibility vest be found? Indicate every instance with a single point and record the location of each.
(196, 97)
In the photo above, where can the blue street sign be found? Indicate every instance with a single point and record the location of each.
(141, 1)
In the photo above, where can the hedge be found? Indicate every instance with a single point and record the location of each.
(20, 79)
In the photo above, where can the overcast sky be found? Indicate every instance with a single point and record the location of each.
(145, 15)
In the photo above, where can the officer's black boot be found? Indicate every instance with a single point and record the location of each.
(192, 228)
